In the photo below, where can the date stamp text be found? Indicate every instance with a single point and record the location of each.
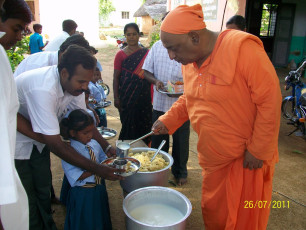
(266, 204)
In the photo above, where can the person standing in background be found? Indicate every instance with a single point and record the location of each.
(98, 94)
(14, 208)
(49, 58)
(131, 91)
(36, 40)
(237, 22)
(69, 28)
(158, 69)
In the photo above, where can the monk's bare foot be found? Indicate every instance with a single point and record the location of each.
(181, 181)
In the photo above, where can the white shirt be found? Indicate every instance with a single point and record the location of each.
(163, 68)
(13, 198)
(43, 102)
(37, 60)
(55, 44)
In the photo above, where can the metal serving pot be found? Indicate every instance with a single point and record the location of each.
(154, 195)
(144, 179)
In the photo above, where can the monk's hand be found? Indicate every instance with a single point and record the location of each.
(159, 85)
(159, 128)
(251, 162)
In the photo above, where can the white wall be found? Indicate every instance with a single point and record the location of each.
(124, 5)
(233, 7)
(84, 13)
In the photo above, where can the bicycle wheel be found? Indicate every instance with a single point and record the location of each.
(288, 109)
(106, 89)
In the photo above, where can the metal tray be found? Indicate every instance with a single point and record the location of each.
(102, 104)
(135, 165)
(107, 133)
(170, 94)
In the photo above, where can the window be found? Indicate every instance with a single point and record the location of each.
(125, 15)
(268, 20)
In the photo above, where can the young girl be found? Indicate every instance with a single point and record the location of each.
(98, 94)
(87, 202)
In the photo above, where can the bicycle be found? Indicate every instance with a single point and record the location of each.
(294, 106)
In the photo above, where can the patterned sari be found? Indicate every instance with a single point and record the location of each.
(135, 98)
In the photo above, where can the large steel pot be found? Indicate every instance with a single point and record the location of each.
(144, 179)
(156, 195)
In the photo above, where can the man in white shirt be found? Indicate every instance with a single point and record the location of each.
(14, 211)
(49, 58)
(43, 102)
(69, 28)
(159, 68)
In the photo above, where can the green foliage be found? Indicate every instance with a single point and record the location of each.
(154, 36)
(268, 15)
(15, 54)
(105, 8)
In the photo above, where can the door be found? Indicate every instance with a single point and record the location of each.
(284, 26)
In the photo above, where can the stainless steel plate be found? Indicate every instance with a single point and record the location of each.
(107, 133)
(135, 165)
(170, 94)
(102, 104)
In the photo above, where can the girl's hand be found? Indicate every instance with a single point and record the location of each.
(111, 153)
(108, 173)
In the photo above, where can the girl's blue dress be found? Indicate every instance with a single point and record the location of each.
(87, 208)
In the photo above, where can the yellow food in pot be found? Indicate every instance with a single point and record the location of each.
(145, 160)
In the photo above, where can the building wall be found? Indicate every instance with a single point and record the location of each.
(213, 10)
(146, 24)
(34, 5)
(130, 6)
(85, 14)
(298, 40)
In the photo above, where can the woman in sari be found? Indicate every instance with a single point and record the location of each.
(132, 95)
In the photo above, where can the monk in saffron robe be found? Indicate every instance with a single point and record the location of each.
(232, 98)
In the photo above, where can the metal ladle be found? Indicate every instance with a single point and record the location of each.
(158, 150)
(123, 147)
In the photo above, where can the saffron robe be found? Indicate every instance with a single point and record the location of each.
(233, 102)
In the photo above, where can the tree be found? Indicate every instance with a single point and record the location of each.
(16, 53)
(105, 8)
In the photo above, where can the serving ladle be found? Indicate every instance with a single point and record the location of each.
(158, 150)
(123, 147)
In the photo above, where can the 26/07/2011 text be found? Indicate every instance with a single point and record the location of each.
(266, 204)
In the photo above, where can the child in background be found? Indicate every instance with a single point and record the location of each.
(97, 92)
(87, 202)
(36, 40)
(91, 113)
